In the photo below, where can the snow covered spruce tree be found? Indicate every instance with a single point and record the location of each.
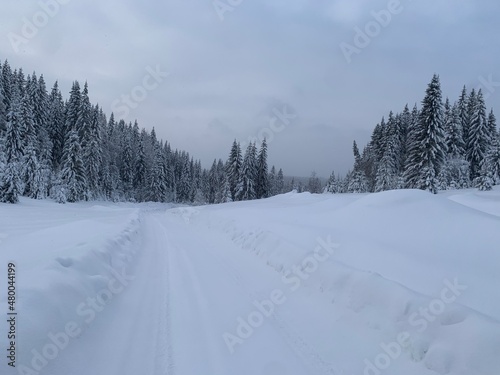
(233, 171)
(272, 178)
(333, 185)
(494, 158)
(158, 177)
(262, 183)
(280, 182)
(92, 154)
(185, 181)
(489, 168)
(73, 171)
(357, 181)
(478, 135)
(393, 140)
(248, 176)
(387, 173)
(454, 173)
(10, 184)
(56, 121)
(314, 184)
(427, 152)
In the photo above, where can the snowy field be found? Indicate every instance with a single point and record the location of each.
(400, 282)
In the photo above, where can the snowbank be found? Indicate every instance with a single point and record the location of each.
(72, 261)
(410, 265)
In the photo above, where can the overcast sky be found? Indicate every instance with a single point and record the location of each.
(259, 67)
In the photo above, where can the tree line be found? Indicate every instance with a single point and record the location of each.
(69, 151)
(437, 147)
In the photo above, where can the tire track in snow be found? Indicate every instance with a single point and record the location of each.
(164, 350)
(198, 313)
(300, 347)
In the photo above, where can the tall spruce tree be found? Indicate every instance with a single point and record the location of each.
(73, 107)
(248, 175)
(92, 155)
(280, 182)
(262, 188)
(428, 151)
(479, 140)
(234, 165)
(73, 170)
(10, 184)
(158, 184)
(56, 123)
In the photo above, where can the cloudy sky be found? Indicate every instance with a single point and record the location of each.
(205, 72)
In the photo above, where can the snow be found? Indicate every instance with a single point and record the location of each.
(399, 282)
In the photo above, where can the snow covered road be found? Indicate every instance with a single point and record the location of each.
(208, 293)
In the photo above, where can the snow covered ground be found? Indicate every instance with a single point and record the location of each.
(401, 282)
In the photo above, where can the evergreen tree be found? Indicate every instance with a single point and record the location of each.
(73, 108)
(248, 175)
(273, 185)
(404, 124)
(127, 165)
(7, 86)
(28, 129)
(158, 186)
(32, 177)
(234, 169)
(357, 156)
(3, 110)
(10, 184)
(454, 174)
(262, 188)
(39, 106)
(454, 135)
(184, 185)
(463, 116)
(73, 170)
(314, 184)
(56, 123)
(492, 128)
(485, 180)
(19, 81)
(221, 195)
(357, 182)
(387, 172)
(92, 156)
(479, 141)
(13, 136)
(280, 182)
(140, 174)
(212, 183)
(428, 151)
(331, 185)
(83, 119)
(495, 160)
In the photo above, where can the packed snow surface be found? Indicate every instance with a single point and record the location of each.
(401, 282)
